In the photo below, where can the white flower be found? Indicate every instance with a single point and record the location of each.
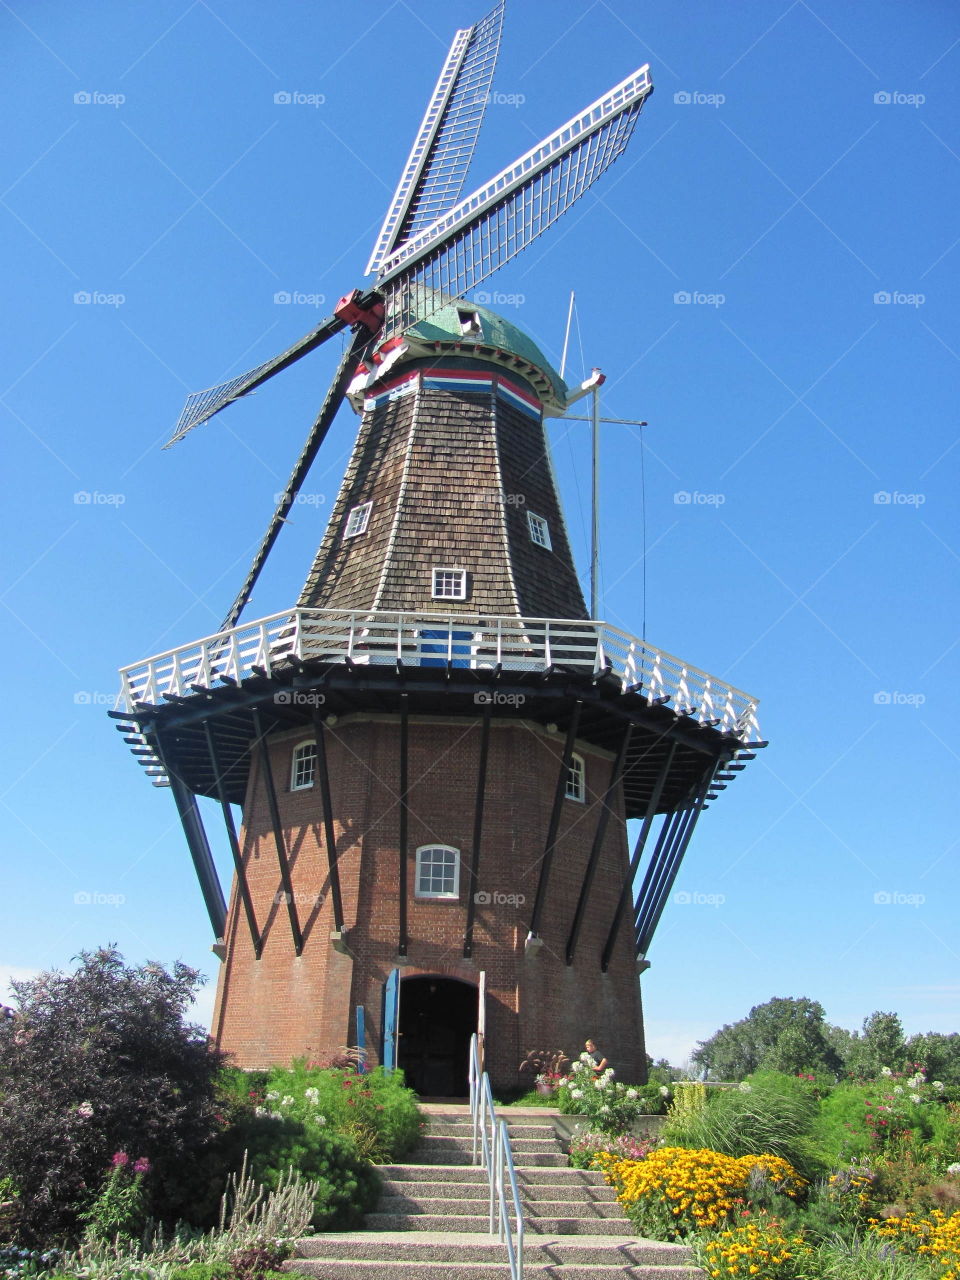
(576, 1093)
(898, 1088)
(605, 1109)
(320, 1119)
(311, 1094)
(631, 1094)
(746, 1088)
(577, 1066)
(85, 1109)
(914, 1097)
(272, 1096)
(664, 1091)
(600, 1082)
(953, 1168)
(885, 1071)
(259, 1111)
(286, 1101)
(938, 1085)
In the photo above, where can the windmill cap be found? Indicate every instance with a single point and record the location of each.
(469, 328)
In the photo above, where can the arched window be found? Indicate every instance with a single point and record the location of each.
(577, 780)
(304, 766)
(438, 871)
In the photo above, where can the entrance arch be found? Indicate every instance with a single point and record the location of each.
(437, 1018)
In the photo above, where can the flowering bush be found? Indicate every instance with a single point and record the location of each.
(611, 1105)
(760, 1250)
(935, 1236)
(676, 1190)
(587, 1146)
(121, 1207)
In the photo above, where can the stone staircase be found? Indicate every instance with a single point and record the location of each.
(432, 1219)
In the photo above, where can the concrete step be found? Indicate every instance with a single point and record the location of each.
(429, 1269)
(453, 1155)
(454, 1247)
(439, 1206)
(480, 1223)
(458, 1174)
(464, 1129)
(572, 1192)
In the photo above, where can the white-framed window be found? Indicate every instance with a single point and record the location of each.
(539, 531)
(357, 520)
(469, 322)
(438, 871)
(449, 584)
(576, 780)
(304, 766)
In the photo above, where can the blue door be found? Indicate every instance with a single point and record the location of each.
(361, 1039)
(391, 1019)
(445, 644)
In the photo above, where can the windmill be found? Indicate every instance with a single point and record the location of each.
(437, 750)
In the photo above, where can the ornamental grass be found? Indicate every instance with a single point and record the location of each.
(676, 1190)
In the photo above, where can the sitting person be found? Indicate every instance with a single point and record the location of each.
(598, 1062)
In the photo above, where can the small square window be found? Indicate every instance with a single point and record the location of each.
(357, 520)
(539, 531)
(449, 584)
(438, 872)
(469, 322)
(576, 780)
(304, 766)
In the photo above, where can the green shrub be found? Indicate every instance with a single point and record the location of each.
(839, 1129)
(770, 1114)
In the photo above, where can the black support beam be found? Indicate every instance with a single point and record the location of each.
(197, 843)
(558, 798)
(278, 839)
(477, 831)
(239, 868)
(402, 938)
(326, 805)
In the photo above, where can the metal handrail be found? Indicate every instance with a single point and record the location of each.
(491, 1150)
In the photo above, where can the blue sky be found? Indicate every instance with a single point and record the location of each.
(795, 175)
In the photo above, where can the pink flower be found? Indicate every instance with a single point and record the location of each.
(120, 1158)
(142, 1165)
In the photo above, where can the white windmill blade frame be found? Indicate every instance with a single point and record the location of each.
(633, 90)
(447, 166)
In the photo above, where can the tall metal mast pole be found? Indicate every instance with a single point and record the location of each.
(595, 524)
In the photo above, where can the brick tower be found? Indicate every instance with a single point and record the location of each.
(437, 750)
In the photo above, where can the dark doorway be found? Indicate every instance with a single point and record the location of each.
(437, 1018)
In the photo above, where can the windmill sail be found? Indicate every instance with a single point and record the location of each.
(488, 228)
(436, 169)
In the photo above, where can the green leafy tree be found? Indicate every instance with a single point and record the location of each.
(785, 1034)
(96, 1062)
(882, 1044)
(938, 1054)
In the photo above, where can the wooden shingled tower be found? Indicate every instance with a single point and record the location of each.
(436, 751)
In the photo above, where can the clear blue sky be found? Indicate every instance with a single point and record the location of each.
(781, 183)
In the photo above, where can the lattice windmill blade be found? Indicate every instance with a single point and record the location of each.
(488, 228)
(436, 169)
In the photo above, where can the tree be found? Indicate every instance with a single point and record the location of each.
(785, 1034)
(938, 1054)
(93, 1063)
(882, 1044)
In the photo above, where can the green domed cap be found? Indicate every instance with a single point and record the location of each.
(445, 324)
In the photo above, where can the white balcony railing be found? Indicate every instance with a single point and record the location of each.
(436, 639)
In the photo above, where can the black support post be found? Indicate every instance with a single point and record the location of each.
(616, 774)
(234, 843)
(197, 843)
(477, 831)
(404, 819)
(278, 835)
(558, 798)
(626, 891)
(323, 777)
